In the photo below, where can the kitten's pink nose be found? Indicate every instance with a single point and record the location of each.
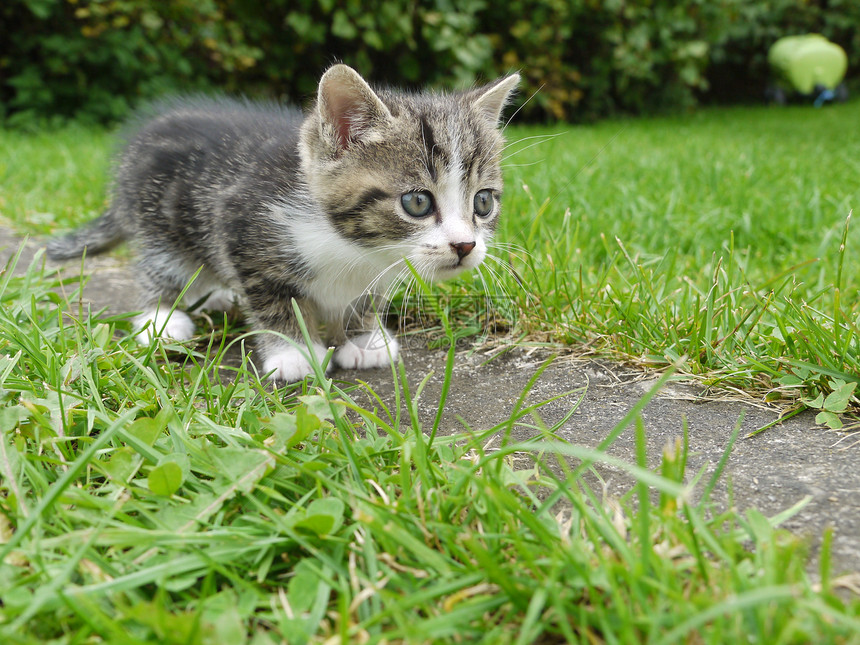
(463, 248)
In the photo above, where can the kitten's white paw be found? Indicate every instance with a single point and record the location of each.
(162, 323)
(291, 364)
(373, 349)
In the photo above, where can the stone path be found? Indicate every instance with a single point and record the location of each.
(771, 472)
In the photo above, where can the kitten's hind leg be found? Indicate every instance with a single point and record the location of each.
(219, 300)
(161, 322)
(160, 284)
(208, 294)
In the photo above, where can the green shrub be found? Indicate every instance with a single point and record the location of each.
(436, 42)
(589, 58)
(94, 59)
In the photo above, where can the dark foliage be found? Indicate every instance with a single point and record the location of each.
(95, 59)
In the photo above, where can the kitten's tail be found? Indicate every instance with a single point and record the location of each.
(98, 236)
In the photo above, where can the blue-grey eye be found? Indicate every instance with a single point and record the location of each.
(483, 202)
(417, 204)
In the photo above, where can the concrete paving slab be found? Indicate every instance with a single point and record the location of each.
(771, 471)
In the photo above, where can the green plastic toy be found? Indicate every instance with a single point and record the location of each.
(810, 66)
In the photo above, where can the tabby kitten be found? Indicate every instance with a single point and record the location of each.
(323, 207)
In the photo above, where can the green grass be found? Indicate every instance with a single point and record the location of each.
(55, 179)
(141, 500)
(715, 237)
(719, 237)
(143, 503)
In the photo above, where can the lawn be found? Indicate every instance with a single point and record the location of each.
(720, 237)
(140, 501)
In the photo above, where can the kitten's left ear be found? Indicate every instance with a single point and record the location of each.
(348, 105)
(491, 99)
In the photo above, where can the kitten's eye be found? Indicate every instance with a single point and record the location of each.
(483, 202)
(417, 204)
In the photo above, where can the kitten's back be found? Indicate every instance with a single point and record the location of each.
(190, 144)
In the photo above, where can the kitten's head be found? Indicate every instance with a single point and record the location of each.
(415, 175)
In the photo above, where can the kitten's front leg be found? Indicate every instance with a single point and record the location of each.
(283, 361)
(289, 364)
(363, 341)
(377, 348)
(270, 310)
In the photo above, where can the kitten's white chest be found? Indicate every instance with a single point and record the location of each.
(340, 271)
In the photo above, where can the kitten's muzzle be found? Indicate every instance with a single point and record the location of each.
(462, 249)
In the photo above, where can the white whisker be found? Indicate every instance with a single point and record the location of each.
(530, 297)
(541, 138)
(497, 278)
(510, 247)
(349, 266)
(388, 293)
(523, 165)
(488, 301)
(411, 282)
(513, 250)
(525, 103)
(506, 266)
(373, 283)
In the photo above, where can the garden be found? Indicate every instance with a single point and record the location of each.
(147, 496)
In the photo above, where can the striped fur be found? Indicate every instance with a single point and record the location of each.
(276, 205)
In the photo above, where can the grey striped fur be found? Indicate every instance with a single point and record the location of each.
(275, 204)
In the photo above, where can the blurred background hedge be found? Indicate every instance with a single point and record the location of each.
(93, 60)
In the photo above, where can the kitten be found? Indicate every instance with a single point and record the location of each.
(323, 207)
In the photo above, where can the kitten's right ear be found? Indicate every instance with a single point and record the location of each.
(491, 100)
(348, 106)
